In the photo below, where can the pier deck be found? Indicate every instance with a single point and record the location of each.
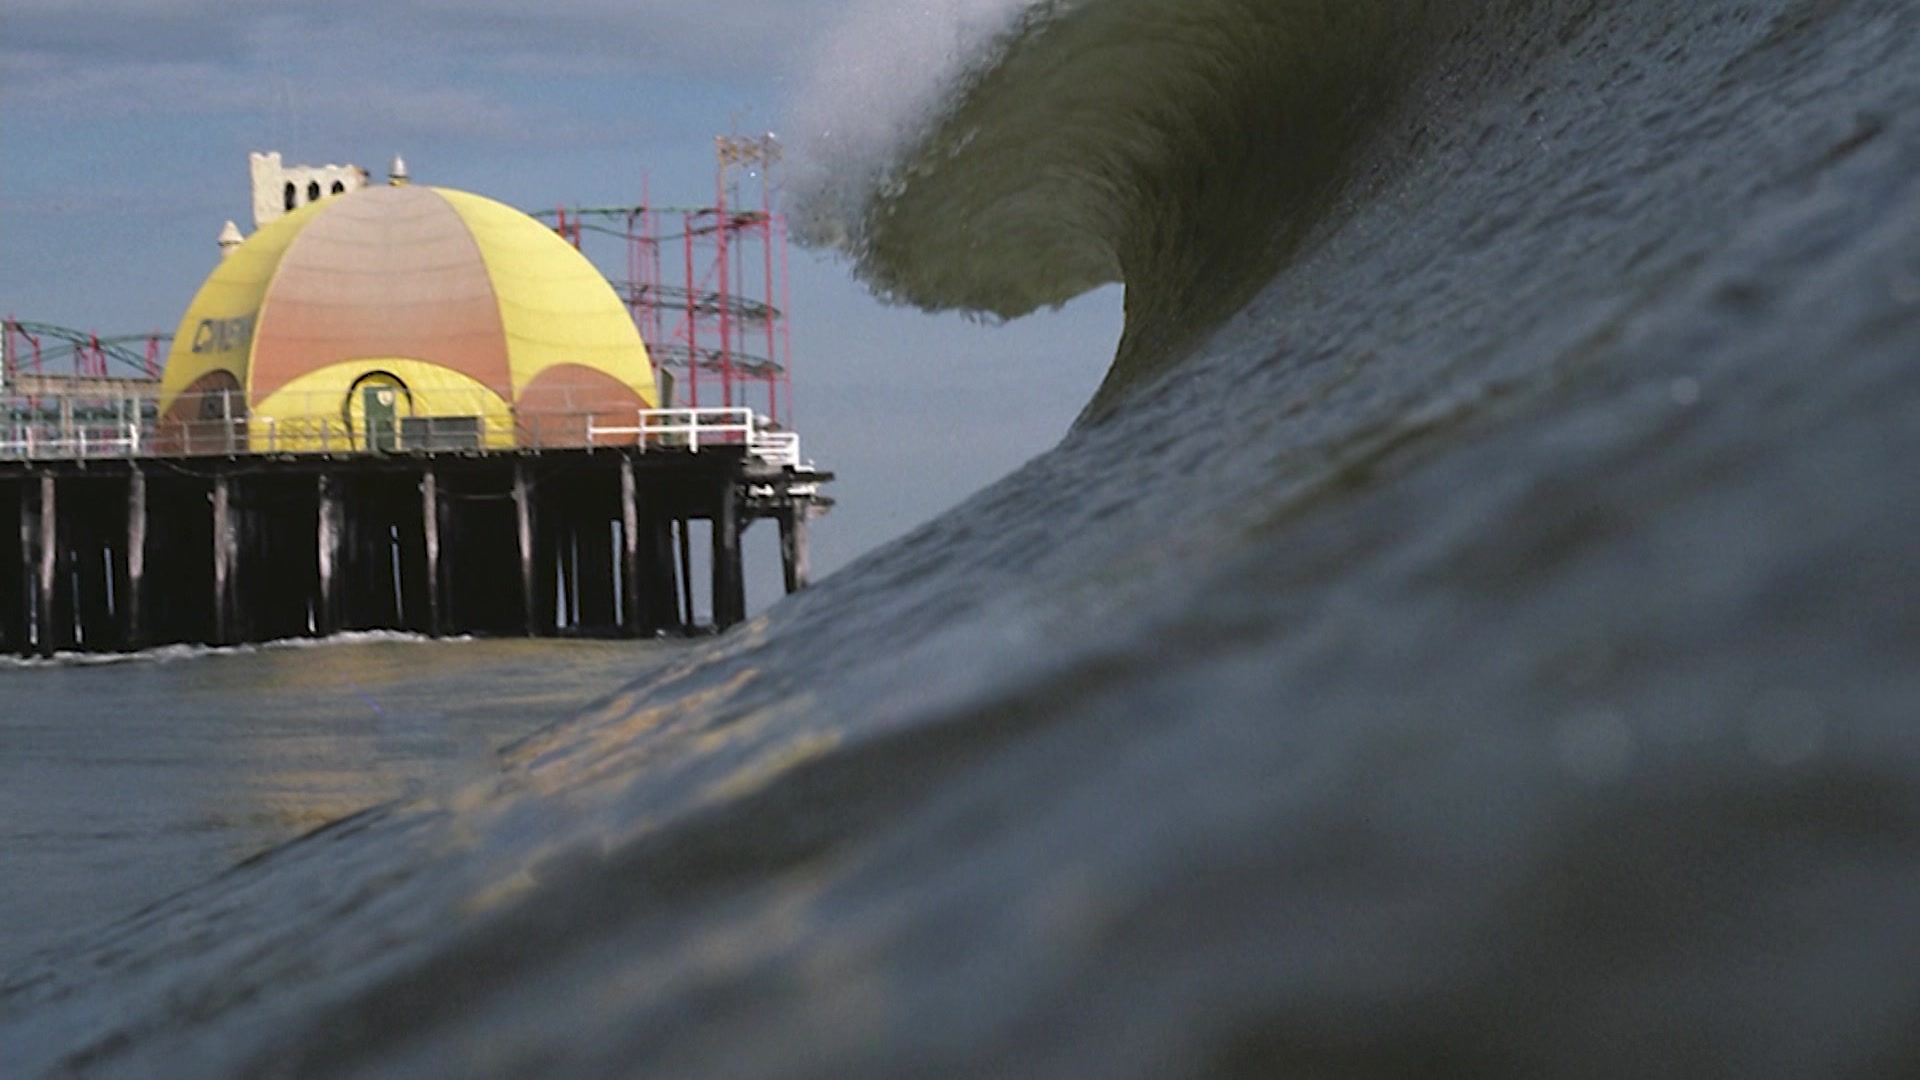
(124, 540)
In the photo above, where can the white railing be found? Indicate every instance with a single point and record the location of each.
(681, 429)
(67, 441)
(46, 437)
(691, 429)
(780, 448)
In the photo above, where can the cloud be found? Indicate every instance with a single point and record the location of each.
(559, 37)
(679, 37)
(320, 102)
(135, 33)
(348, 72)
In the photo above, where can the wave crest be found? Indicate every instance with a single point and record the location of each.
(1178, 146)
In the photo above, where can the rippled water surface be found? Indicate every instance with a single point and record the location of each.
(124, 782)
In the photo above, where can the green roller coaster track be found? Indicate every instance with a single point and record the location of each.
(61, 350)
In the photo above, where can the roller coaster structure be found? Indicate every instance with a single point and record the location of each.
(712, 312)
(39, 350)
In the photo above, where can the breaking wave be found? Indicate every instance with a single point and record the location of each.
(1026, 153)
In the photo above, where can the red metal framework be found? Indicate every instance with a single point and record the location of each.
(707, 286)
(39, 349)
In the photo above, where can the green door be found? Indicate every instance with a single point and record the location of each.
(382, 406)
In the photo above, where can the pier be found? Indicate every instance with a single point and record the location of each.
(131, 533)
(475, 432)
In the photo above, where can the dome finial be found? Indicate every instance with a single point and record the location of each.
(397, 172)
(230, 239)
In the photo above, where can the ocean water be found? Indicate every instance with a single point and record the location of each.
(1473, 631)
(126, 780)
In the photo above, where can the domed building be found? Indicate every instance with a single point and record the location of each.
(403, 317)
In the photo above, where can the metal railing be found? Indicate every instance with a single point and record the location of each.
(78, 440)
(690, 429)
(779, 448)
(56, 433)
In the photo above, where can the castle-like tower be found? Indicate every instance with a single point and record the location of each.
(279, 189)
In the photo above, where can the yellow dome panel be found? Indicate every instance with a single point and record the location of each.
(323, 411)
(218, 330)
(390, 271)
(555, 306)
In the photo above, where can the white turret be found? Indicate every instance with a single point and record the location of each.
(230, 239)
(397, 172)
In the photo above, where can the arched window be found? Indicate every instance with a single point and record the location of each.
(313, 191)
(339, 188)
(293, 195)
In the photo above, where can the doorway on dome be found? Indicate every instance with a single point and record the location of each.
(375, 405)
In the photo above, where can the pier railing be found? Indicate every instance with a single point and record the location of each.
(688, 429)
(45, 430)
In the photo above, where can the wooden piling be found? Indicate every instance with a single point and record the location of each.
(326, 615)
(223, 542)
(631, 588)
(794, 561)
(729, 598)
(13, 603)
(663, 581)
(430, 523)
(523, 512)
(28, 567)
(566, 571)
(586, 510)
(134, 625)
(49, 551)
(685, 587)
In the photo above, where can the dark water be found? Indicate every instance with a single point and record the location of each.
(1474, 631)
(123, 782)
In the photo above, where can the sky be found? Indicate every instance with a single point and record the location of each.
(125, 127)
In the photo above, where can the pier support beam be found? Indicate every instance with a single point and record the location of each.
(326, 613)
(430, 522)
(523, 512)
(729, 585)
(631, 587)
(794, 560)
(662, 599)
(134, 619)
(222, 560)
(49, 553)
(24, 612)
(685, 587)
(14, 588)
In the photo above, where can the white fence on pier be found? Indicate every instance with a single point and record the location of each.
(67, 434)
(688, 429)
